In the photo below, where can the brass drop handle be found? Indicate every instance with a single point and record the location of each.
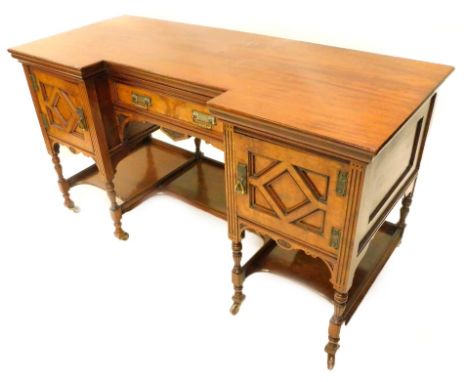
(141, 100)
(240, 188)
(82, 124)
(241, 180)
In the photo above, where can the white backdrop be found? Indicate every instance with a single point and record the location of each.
(78, 305)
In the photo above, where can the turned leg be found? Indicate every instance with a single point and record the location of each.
(63, 184)
(198, 153)
(334, 327)
(405, 207)
(237, 277)
(116, 212)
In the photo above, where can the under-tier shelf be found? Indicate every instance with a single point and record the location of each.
(202, 186)
(156, 166)
(315, 274)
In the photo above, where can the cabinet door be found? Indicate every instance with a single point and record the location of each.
(301, 195)
(62, 110)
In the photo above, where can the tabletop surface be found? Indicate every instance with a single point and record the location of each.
(355, 98)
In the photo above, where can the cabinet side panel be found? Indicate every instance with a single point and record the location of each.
(391, 173)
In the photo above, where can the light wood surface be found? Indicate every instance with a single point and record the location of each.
(356, 98)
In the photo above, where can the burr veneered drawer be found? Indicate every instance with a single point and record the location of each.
(182, 113)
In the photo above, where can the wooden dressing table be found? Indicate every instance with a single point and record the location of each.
(320, 142)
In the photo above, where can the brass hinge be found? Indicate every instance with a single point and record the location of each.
(342, 183)
(45, 121)
(34, 82)
(335, 238)
(241, 179)
(203, 120)
(82, 124)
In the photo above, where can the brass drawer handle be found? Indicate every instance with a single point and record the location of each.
(203, 120)
(141, 100)
(241, 181)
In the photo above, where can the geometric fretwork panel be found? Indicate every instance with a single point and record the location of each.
(290, 193)
(285, 192)
(317, 183)
(313, 221)
(261, 164)
(259, 202)
(60, 109)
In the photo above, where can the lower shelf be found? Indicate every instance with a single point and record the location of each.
(202, 186)
(156, 166)
(315, 274)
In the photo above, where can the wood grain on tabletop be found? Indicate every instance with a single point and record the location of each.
(357, 98)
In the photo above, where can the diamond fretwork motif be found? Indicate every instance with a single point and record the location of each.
(60, 109)
(290, 193)
(286, 193)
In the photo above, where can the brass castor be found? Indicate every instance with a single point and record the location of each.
(75, 209)
(235, 308)
(121, 234)
(71, 205)
(331, 349)
(238, 299)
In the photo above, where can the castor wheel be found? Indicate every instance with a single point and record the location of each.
(237, 301)
(121, 235)
(331, 349)
(71, 206)
(235, 308)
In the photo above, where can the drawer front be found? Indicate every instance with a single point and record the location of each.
(300, 195)
(194, 116)
(62, 112)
